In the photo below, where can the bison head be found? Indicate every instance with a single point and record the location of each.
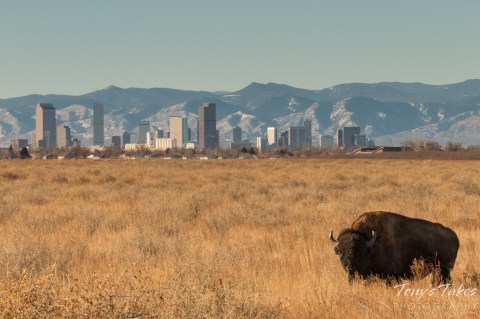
(354, 249)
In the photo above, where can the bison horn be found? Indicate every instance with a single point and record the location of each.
(371, 241)
(333, 240)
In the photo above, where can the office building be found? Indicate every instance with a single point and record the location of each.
(207, 126)
(46, 126)
(262, 143)
(158, 134)
(126, 138)
(307, 124)
(360, 140)
(136, 147)
(143, 129)
(349, 135)
(165, 143)
(64, 136)
(98, 124)
(272, 135)
(283, 140)
(340, 138)
(237, 134)
(326, 140)
(296, 137)
(116, 141)
(191, 145)
(179, 130)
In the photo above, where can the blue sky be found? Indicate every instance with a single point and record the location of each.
(74, 47)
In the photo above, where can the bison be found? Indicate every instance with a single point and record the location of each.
(385, 245)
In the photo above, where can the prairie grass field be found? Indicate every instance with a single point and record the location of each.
(223, 238)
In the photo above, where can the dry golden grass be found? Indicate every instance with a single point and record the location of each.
(219, 239)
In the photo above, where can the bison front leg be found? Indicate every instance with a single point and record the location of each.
(445, 275)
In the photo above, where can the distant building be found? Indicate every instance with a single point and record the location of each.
(237, 134)
(136, 147)
(340, 138)
(272, 136)
(326, 140)
(126, 138)
(262, 143)
(98, 124)
(76, 142)
(191, 145)
(46, 127)
(164, 143)
(19, 142)
(179, 130)
(64, 136)
(143, 128)
(116, 141)
(149, 139)
(207, 126)
(283, 140)
(307, 124)
(158, 134)
(360, 140)
(296, 137)
(349, 135)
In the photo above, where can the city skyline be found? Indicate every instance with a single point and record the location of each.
(306, 44)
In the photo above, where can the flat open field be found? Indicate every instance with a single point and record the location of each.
(220, 239)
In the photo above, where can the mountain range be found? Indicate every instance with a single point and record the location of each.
(388, 112)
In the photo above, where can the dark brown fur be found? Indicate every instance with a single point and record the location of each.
(399, 241)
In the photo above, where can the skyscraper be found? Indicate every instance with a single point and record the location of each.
(272, 135)
(64, 136)
(116, 141)
(207, 126)
(340, 138)
(307, 124)
(98, 124)
(261, 143)
(283, 140)
(143, 128)
(46, 127)
(296, 137)
(326, 140)
(349, 135)
(179, 130)
(237, 134)
(126, 138)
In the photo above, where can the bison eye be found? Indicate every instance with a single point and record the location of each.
(338, 252)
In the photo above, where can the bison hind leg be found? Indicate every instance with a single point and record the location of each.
(441, 274)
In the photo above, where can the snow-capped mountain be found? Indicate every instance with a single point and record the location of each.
(389, 112)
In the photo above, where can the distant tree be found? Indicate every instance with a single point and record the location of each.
(454, 147)
(244, 150)
(24, 153)
(408, 144)
(10, 152)
(432, 146)
(251, 151)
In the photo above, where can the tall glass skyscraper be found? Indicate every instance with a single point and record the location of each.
(46, 126)
(98, 124)
(143, 129)
(207, 126)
